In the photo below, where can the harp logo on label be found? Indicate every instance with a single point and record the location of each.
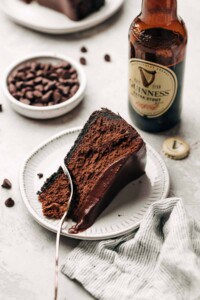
(152, 88)
(147, 76)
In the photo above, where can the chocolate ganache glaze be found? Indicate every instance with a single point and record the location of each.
(107, 155)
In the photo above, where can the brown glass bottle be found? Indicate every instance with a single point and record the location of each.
(158, 39)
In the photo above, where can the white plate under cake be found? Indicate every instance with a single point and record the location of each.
(40, 18)
(125, 211)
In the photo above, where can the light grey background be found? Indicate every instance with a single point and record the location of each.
(26, 249)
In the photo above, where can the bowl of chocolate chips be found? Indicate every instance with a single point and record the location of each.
(44, 86)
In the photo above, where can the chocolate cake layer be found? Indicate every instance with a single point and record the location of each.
(107, 155)
(75, 9)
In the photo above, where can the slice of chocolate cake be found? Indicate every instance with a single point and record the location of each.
(107, 155)
(74, 9)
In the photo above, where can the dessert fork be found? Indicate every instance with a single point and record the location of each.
(66, 172)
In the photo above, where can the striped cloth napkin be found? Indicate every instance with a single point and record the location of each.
(159, 261)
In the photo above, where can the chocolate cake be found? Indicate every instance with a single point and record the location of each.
(74, 9)
(107, 155)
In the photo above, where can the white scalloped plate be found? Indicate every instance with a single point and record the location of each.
(123, 214)
(37, 17)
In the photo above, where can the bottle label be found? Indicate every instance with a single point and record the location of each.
(152, 88)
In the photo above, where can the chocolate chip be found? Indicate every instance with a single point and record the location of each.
(56, 96)
(47, 67)
(40, 175)
(74, 76)
(84, 49)
(29, 83)
(72, 71)
(53, 76)
(17, 95)
(65, 65)
(41, 84)
(39, 73)
(83, 61)
(6, 184)
(46, 97)
(33, 66)
(74, 89)
(66, 75)
(38, 79)
(19, 85)
(64, 90)
(39, 87)
(1, 108)
(25, 101)
(50, 86)
(29, 76)
(37, 94)
(60, 71)
(107, 58)
(12, 88)
(10, 79)
(29, 95)
(38, 104)
(9, 202)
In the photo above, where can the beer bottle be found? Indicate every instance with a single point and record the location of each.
(158, 39)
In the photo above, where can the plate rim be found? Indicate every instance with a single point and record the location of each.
(82, 26)
(50, 227)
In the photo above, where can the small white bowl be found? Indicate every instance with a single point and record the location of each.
(47, 112)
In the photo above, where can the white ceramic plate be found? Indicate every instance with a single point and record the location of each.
(123, 214)
(46, 20)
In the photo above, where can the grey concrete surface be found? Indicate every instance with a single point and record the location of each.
(26, 249)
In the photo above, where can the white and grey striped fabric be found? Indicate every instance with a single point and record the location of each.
(159, 261)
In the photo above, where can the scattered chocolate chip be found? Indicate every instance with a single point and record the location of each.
(6, 184)
(9, 202)
(83, 61)
(84, 49)
(1, 108)
(107, 58)
(40, 175)
(119, 215)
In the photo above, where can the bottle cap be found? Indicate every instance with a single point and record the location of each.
(176, 148)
